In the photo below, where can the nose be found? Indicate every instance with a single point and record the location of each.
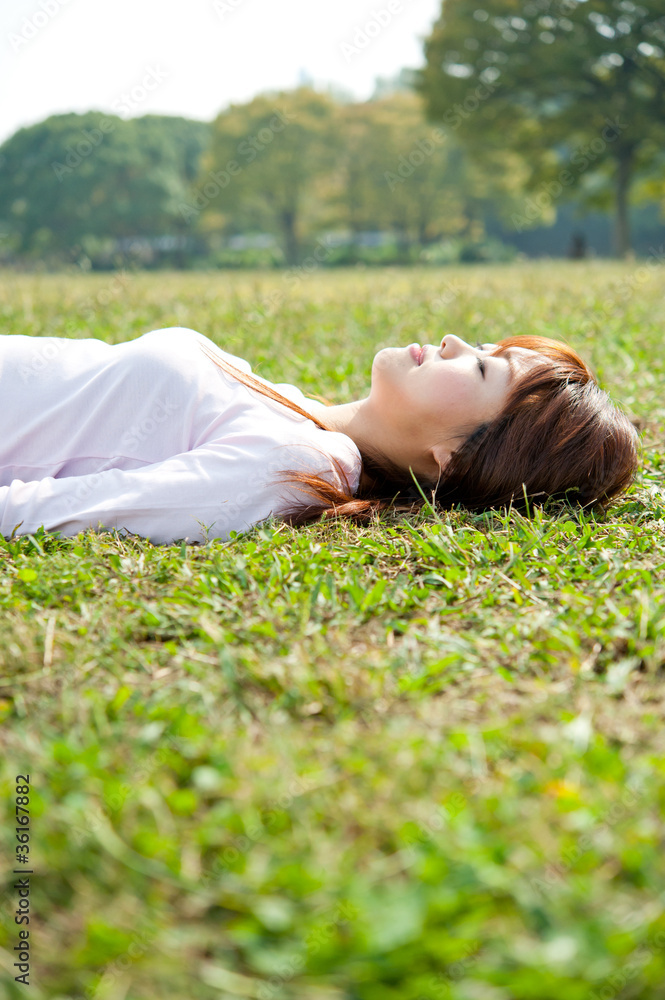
(452, 347)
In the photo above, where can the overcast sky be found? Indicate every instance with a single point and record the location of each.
(194, 57)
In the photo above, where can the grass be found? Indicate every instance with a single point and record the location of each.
(418, 760)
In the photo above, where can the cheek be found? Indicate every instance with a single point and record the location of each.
(456, 402)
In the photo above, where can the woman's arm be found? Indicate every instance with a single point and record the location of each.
(220, 486)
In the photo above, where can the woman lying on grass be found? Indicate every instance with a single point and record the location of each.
(169, 437)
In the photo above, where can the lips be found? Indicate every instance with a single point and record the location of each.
(417, 353)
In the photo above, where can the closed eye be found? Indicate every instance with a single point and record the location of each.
(481, 365)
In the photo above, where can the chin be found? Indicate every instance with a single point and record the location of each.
(389, 358)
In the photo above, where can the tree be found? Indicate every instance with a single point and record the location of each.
(397, 172)
(436, 190)
(579, 83)
(266, 166)
(75, 177)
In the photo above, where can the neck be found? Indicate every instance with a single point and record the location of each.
(346, 418)
(358, 422)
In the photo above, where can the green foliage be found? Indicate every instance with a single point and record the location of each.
(297, 163)
(468, 251)
(76, 178)
(266, 163)
(255, 258)
(398, 174)
(420, 759)
(322, 176)
(576, 88)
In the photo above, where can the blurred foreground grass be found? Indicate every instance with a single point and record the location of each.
(414, 761)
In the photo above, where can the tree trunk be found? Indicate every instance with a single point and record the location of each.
(291, 245)
(403, 243)
(423, 223)
(622, 223)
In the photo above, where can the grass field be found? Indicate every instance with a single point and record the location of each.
(419, 760)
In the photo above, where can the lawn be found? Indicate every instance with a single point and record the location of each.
(418, 760)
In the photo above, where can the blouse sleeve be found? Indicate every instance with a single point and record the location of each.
(197, 496)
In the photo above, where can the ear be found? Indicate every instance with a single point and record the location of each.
(440, 456)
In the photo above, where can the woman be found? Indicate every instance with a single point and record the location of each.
(169, 437)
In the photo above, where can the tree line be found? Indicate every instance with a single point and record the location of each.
(513, 115)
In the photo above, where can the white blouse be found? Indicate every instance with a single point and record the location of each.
(148, 437)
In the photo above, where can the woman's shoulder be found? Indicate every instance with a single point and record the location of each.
(286, 439)
(309, 448)
(182, 340)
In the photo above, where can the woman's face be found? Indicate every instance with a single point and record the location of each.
(431, 398)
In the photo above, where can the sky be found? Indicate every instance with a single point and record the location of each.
(195, 57)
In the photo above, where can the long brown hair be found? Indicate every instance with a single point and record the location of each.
(559, 436)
